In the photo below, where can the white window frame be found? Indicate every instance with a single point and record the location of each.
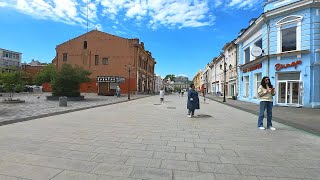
(244, 53)
(292, 19)
(257, 84)
(246, 84)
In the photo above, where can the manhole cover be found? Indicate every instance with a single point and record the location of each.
(156, 104)
(171, 107)
(203, 116)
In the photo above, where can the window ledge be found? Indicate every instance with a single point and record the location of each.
(290, 53)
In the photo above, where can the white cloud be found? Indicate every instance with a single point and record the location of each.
(3, 4)
(170, 13)
(217, 3)
(244, 4)
(151, 13)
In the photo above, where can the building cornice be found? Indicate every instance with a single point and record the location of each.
(292, 7)
(275, 12)
(254, 27)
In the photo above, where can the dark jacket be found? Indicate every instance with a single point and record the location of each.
(194, 103)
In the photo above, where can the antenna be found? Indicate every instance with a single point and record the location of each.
(87, 15)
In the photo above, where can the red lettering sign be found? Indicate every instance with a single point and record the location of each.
(252, 68)
(282, 66)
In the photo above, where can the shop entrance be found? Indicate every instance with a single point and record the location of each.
(289, 91)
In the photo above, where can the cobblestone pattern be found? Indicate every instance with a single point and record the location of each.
(36, 105)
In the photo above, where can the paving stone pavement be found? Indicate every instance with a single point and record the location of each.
(144, 140)
(36, 105)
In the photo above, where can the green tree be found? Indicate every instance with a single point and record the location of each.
(67, 81)
(46, 75)
(11, 81)
(170, 76)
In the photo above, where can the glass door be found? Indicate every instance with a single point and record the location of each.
(282, 93)
(290, 93)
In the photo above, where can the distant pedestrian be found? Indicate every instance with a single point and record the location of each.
(161, 95)
(118, 91)
(266, 93)
(193, 101)
(179, 91)
(182, 92)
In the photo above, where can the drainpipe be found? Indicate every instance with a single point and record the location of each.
(268, 42)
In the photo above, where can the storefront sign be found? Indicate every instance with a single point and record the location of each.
(111, 79)
(293, 64)
(252, 68)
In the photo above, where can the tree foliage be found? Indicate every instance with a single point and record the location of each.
(67, 81)
(46, 75)
(12, 82)
(170, 76)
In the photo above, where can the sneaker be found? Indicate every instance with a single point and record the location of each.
(272, 128)
(189, 116)
(262, 128)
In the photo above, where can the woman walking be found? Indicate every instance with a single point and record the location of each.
(193, 101)
(266, 93)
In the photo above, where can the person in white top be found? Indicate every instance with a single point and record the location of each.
(266, 93)
(161, 95)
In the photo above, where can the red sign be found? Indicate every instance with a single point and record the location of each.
(293, 64)
(252, 68)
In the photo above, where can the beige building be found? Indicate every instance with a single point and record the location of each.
(113, 61)
(197, 80)
(230, 53)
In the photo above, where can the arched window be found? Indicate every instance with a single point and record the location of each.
(289, 33)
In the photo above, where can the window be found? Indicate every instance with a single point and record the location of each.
(289, 33)
(247, 55)
(257, 78)
(96, 59)
(85, 44)
(289, 39)
(246, 86)
(65, 56)
(105, 61)
(259, 43)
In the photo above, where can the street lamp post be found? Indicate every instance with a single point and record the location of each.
(224, 82)
(129, 71)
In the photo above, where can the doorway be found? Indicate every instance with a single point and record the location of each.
(290, 90)
(289, 93)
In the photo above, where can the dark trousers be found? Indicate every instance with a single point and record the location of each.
(191, 112)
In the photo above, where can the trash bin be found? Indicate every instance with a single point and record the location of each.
(63, 101)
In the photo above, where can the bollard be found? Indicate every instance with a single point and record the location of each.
(63, 101)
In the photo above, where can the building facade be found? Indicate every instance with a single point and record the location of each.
(231, 68)
(197, 80)
(282, 44)
(9, 58)
(217, 75)
(112, 60)
(158, 84)
(32, 69)
(206, 79)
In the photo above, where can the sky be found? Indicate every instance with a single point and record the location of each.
(182, 35)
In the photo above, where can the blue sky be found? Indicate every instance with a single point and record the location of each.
(183, 35)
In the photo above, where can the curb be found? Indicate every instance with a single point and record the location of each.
(13, 121)
(300, 127)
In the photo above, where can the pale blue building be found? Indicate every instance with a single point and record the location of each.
(284, 44)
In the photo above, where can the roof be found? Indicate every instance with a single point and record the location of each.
(94, 31)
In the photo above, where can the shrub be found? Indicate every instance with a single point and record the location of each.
(67, 81)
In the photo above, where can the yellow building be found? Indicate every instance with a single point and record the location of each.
(197, 80)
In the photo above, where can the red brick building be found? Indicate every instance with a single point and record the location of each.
(109, 58)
